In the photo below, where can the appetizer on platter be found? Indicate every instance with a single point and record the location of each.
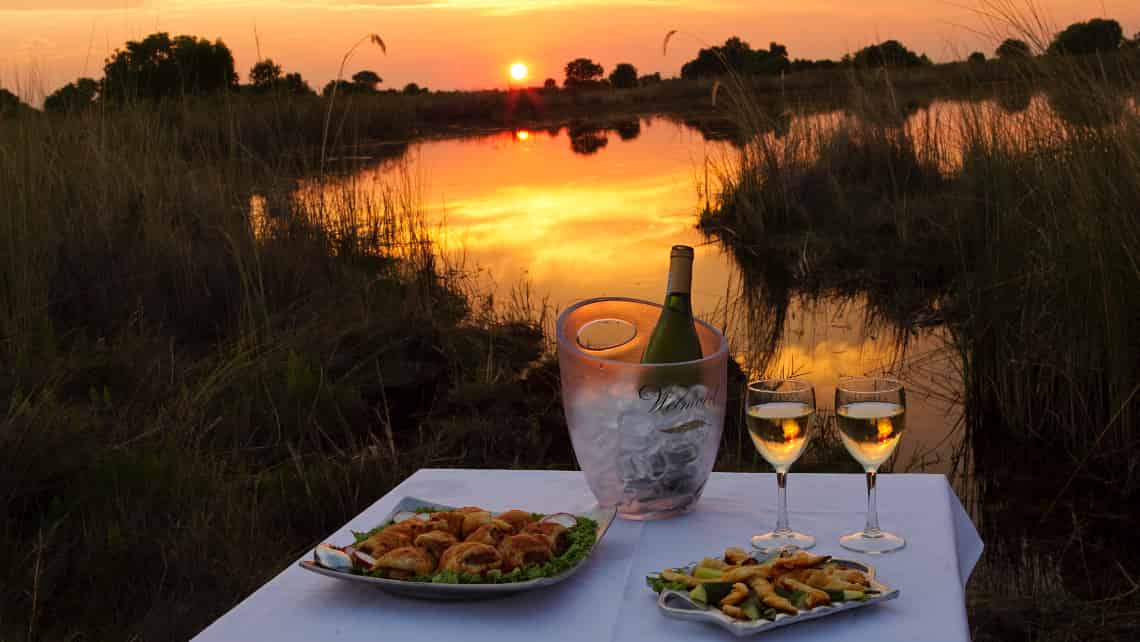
(468, 545)
(748, 589)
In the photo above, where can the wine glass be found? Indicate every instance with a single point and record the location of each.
(871, 413)
(779, 420)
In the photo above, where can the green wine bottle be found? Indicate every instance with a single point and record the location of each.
(674, 338)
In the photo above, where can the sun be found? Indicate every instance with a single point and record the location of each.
(518, 71)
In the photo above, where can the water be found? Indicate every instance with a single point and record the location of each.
(576, 225)
(578, 213)
(592, 212)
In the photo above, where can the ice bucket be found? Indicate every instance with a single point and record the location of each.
(645, 435)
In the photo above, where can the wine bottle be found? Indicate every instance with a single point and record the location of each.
(674, 338)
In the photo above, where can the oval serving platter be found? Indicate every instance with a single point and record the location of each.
(677, 604)
(441, 591)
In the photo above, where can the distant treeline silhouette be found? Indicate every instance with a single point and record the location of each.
(1080, 38)
(160, 66)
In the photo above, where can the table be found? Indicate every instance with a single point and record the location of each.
(608, 600)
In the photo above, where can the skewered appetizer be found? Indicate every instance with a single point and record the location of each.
(467, 545)
(748, 589)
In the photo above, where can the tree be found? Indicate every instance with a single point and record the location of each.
(624, 76)
(976, 58)
(1012, 48)
(342, 87)
(74, 96)
(366, 80)
(739, 57)
(264, 75)
(889, 53)
(11, 105)
(294, 84)
(650, 79)
(582, 71)
(160, 67)
(1082, 38)
(550, 84)
(412, 89)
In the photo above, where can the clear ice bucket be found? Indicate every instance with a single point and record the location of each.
(645, 435)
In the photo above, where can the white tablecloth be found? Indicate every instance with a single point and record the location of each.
(608, 600)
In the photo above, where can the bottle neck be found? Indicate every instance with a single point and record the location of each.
(680, 277)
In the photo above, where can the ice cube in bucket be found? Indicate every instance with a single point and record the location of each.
(646, 435)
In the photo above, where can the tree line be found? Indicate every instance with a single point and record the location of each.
(159, 66)
(1080, 38)
(584, 73)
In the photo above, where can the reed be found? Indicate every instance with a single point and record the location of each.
(210, 359)
(1019, 230)
(1013, 220)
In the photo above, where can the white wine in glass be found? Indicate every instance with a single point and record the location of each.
(871, 413)
(779, 417)
(780, 431)
(871, 430)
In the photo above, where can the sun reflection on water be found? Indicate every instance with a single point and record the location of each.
(575, 226)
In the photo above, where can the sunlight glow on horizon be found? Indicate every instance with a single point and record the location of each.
(454, 44)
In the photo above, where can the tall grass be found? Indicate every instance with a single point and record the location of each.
(208, 364)
(1015, 220)
(1020, 230)
(1021, 594)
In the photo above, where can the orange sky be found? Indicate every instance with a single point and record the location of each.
(470, 43)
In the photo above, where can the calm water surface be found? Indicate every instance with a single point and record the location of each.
(578, 214)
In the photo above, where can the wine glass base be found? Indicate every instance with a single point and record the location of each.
(883, 542)
(777, 542)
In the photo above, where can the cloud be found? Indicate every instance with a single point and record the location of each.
(70, 5)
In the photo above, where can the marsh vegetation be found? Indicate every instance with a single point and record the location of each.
(210, 342)
(1019, 234)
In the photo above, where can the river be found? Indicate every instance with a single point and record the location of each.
(568, 213)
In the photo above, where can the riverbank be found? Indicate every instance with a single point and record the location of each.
(1021, 235)
(309, 127)
(207, 364)
(196, 390)
(202, 353)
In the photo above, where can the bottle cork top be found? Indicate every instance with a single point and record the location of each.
(680, 270)
(681, 252)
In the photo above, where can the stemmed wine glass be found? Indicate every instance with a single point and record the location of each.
(871, 413)
(780, 421)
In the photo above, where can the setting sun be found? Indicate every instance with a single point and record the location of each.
(518, 71)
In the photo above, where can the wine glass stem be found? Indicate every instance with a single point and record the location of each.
(872, 528)
(782, 512)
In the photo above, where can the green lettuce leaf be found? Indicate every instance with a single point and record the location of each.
(581, 540)
(658, 584)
